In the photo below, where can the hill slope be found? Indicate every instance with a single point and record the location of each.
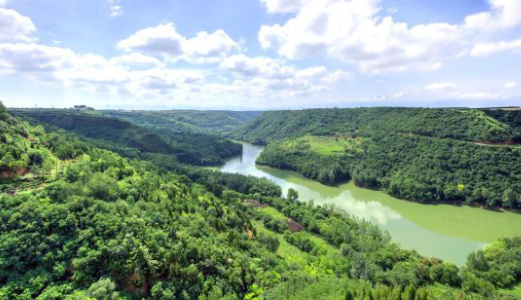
(125, 137)
(105, 227)
(468, 125)
(183, 121)
(428, 155)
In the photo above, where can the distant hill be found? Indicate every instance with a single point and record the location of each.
(125, 137)
(428, 155)
(213, 122)
(468, 125)
(109, 129)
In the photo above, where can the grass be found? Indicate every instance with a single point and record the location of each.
(286, 251)
(272, 212)
(515, 291)
(326, 145)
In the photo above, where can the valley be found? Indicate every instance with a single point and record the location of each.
(449, 232)
(96, 204)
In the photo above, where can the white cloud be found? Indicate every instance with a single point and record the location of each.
(164, 40)
(353, 32)
(440, 86)
(487, 49)
(358, 32)
(257, 66)
(209, 47)
(275, 75)
(3, 2)
(283, 6)
(33, 59)
(14, 26)
(136, 60)
(510, 85)
(337, 76)
(480, 95)
(115, 8)
(503, 14)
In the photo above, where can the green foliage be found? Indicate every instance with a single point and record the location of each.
(428, 155)
(468, 125)
(128, 139)
(109, 228)
(188, 121)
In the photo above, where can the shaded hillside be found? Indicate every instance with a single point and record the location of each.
(511, 117)
(109, 129)
(468, 125)
(126, 137)
(214, 122)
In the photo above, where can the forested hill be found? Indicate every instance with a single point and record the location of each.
(82, 223)
(427, 155)
(126, 137)
(468, 125)
(188, 121)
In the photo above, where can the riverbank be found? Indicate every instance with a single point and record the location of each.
(445, 231)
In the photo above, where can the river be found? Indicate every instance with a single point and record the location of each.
(445, 231)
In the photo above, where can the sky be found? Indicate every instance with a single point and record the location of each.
(259, 54)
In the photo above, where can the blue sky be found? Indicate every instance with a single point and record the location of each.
(259, 54)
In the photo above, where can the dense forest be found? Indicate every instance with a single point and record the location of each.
(428, 155)
(128, 138)
(188, 121)
(79, 222)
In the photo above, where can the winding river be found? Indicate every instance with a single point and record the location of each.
(445, 231)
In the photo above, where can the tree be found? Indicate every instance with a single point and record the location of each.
(2, 107)
(103, 187)
(103, 289)
(292, 195)
(509, 198)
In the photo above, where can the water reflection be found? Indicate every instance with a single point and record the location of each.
(444, 231)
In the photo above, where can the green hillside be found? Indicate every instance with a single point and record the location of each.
(427, 155)
(126, 137)
(106, 227)
(182, 121)
(468, 125)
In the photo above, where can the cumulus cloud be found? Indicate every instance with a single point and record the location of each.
(510, 85)
(502, 14)
(276, 75)
(353, 32)
(440, 86)
(164, 40)
(358, 32)
(136, 60)
(487, 49)
(14, 26)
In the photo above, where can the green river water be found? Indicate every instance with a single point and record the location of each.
(445, 231)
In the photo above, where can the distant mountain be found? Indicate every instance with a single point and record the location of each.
(213, 122)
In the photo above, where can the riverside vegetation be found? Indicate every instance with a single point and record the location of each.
(428, 155)
(80, 222)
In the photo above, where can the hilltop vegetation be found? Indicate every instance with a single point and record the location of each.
(188, 121)
(467, 125)
(419, 154)
(126, 138)
(106, 227)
